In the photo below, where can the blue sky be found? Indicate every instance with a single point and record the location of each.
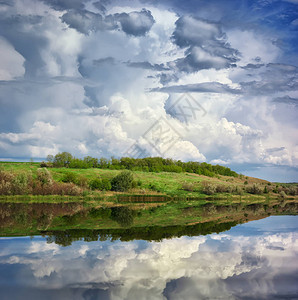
(211, 81)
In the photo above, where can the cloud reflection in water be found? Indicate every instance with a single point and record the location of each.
(253, 260)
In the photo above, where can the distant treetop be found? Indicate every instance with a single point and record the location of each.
(147, 164)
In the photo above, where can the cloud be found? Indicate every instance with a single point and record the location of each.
(276, 78)
(222, 265)
(207, 45)
(286, 100)
(253, 66)
(65, 4)
(11, 62)
(205, 87)
(85, 21)
(65, 62)
(135, 23)
(147, 66)
(101, 5)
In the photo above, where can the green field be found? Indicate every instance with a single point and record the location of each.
(163, 183)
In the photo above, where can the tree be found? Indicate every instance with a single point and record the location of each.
(62, 159)
(122, 182)
(50, 158)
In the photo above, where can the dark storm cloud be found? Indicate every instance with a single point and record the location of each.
(28, 43)
(253, 66)
(7, 3)
(277, 149)
(136, 23)
(91, 94)
(276, 78)
(206, 45)
(286, 100)
(166, 78)
(101, 5)
(147, 66)
(65, 4)
(85, 21)
(206, 87)
(101, 61)
(198, 59)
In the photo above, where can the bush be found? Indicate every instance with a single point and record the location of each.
(238, 190)
(208, 188)
(57, 188)
(254, 189)
(70, 177)
(44, 164)
(186, 186)
(95, 184)
(122, 182)
(106, 184)
(44, 176)
(102, 185)
(82, 181)
(20, 184)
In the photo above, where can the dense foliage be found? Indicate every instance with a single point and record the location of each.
(123, 182)
(148, 164)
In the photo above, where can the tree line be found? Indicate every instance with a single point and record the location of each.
(147, 164)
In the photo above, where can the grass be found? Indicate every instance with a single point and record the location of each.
(172, 184)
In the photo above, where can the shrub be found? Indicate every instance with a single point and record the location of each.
(44, 164)
(208, 188)
(70, 177)
(95, 184)
(57, 188)
(254, 189)
(5, 187)
(220, 188)
(82, 181)
(106, 184)
(44, 176)
(186, 186)
(238, 190)
(122, 182)
(20, 184)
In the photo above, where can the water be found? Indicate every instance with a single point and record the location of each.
(256, 260)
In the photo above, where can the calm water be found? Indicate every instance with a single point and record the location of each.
(256, 260)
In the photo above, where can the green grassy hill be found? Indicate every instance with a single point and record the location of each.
(146, 183)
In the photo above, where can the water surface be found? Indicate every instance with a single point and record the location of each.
(256, 260)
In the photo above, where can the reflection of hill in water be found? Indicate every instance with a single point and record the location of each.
(148, 233)
(59, 221)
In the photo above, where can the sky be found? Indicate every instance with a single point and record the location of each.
(212, 81)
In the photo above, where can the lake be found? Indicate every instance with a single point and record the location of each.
(255, 260)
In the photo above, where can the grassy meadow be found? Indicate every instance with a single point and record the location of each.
(153, 183)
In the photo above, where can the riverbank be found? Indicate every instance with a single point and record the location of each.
(29, 179)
